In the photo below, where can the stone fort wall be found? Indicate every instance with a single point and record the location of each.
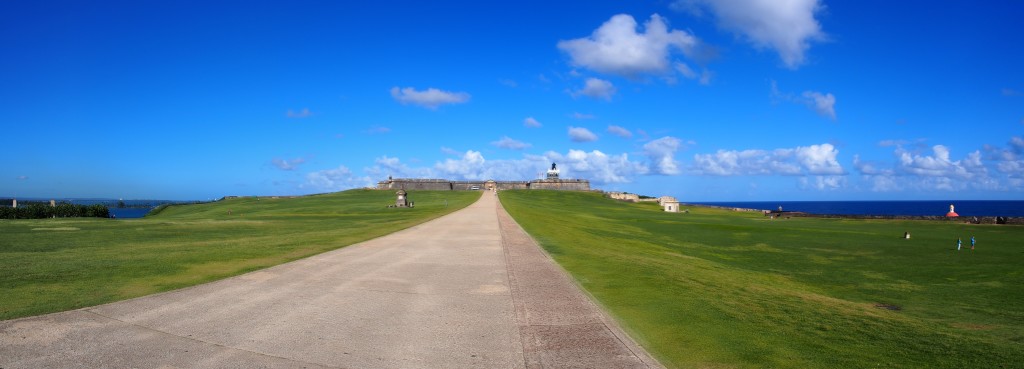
(447, 185)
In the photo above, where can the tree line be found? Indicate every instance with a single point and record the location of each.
(35, 210)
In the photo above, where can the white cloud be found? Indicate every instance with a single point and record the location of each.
(823, 183)
(530, 122)
(337, 179)
(304, 113)
(938, 164)
(617, 48)
(619, 131)
(430, 98)
(686, 71)
(704, 77)
(449, 151)
(596, 166)
(788, 27)
(823, 104)
(868, 168)
(936, 171)
(580, 134)
(578, 115)
(1017, 145)
(890, 143)
(508, 143)
(819, 159)
(662, 155)
(387, 166)
(284, 164)
(802, 160)
(596, 88)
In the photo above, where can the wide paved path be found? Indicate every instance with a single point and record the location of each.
(468, 290)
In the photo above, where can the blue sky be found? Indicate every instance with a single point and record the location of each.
(706, 100)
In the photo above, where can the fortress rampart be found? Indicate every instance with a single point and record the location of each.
(447, 185)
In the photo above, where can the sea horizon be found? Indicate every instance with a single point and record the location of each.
(1006, 208)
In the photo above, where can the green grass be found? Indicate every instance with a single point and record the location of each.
(721, 289)
(52, 265)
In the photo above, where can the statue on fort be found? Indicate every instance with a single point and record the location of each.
(553, 166)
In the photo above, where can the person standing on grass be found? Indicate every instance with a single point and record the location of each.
(972, 242)
(958, 243)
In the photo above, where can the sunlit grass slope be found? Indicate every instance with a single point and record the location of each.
(721, 289)
(52, 265)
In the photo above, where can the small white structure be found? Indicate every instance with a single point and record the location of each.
(663, 199)
(671, 206)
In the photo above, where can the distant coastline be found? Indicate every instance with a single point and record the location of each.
(118, 208)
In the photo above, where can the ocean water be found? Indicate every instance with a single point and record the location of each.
(133, 209)
(1005, 208)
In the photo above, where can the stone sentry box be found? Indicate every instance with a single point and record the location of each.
(403, 200)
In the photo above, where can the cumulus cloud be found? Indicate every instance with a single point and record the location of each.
(530, 122)
(337, 179)
(508, 143)
(819, 159)
(617, 48)
(596, 166)
(938, 164)
(430, 98)
(788, 27)
(304, 113)
(889, 143)
(619, 131)
(289, 165)
(802, 160)
(704, 77)
(580, 134)
(822, 103)
(823, 183)
(661, 152)
(1017, 145)
(388, 166)
(934, 169)
(596, 88)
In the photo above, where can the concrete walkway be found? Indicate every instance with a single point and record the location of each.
(466, 290)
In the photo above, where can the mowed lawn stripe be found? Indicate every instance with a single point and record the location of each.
(721, 289)
(51, 265)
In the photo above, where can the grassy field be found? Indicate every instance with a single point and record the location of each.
(721, 289)
(53, 265)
